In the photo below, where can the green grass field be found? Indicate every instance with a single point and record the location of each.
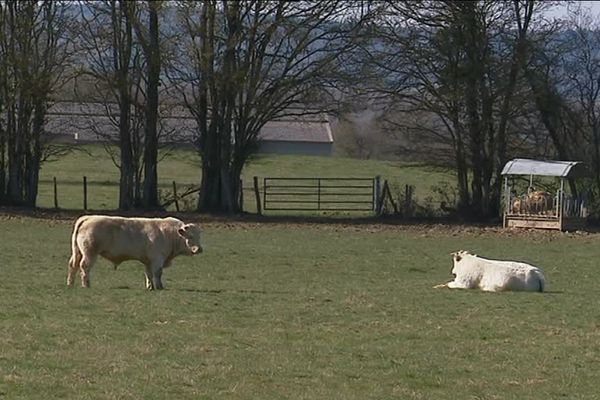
(183, 166)
(276, 311)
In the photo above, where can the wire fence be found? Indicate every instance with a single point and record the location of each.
(278, 195)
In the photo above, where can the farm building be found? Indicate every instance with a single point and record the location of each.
(308, 135)
(553, 205)
(88, 123)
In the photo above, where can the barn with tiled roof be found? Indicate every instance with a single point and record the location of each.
(89, 122)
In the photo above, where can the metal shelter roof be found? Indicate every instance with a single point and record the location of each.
(563, 169)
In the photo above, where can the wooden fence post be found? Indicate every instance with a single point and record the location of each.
(387, 191)
(408, 194)
(257, 194)
(175, 196)
(85, 205)
(319, 194)
(377, 194)
(55, 194)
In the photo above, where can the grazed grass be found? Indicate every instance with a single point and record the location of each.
(183, 166)
(298, 312)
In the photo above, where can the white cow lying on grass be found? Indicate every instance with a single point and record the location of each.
(152, 241)
(472, 272)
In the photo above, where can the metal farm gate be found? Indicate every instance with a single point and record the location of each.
(320, 194)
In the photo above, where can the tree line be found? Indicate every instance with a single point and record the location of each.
(471, 83)
(477, 83)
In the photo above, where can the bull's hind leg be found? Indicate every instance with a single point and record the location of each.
(86, 264)
(73, 267)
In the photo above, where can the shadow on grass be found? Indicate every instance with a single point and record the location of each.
(219, 291)
(420, 270)
(209, 291)
(204, 291)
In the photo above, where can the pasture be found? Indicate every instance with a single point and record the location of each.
(299, 311)
(183, 166)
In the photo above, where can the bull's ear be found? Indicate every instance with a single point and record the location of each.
(181, 231)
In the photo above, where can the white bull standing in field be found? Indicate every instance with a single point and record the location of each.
(473, 272)
(152, 241)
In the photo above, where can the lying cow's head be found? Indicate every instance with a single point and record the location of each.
(191, 234)
(457, 256)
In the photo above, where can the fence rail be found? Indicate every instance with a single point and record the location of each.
(319, 194)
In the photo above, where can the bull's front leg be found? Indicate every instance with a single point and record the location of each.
(154, 274)
(148, 275)
(157, 278)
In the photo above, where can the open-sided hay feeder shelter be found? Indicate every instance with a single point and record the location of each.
(546, 209)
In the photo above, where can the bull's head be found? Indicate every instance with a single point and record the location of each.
(191, 234)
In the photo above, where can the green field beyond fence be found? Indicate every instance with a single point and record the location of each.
(273, 311)
(183, 167)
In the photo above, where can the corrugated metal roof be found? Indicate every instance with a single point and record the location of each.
(564, 169)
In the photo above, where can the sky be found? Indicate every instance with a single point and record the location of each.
(561, 9)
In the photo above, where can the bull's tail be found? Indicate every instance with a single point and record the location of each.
(75, 252)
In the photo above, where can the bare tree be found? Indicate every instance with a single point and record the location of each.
(564, 76)
(3, 94)
(582, 70)
(244, 63)
(454, 68)
(34, 48)
(150, 43)
(107, 39)
(121, 46)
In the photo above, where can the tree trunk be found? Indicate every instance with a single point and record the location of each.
(550, 107)
(219, 191)
(210, 190)
(462, 172)
(490, 194)
(519, 57)
(2, 149)
(31, 56)
(150, 194)
(34, 151)
(31, 189)
(122, 50)
(15, 161)
(476, 153)
(2, 165)
(127, 171)
(596, 154)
